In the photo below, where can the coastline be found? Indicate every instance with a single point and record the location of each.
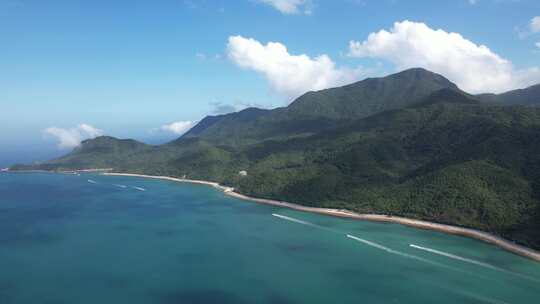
(467, 232)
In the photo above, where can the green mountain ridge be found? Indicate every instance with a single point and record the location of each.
(527, 96)
(431, 152)
(317, 111)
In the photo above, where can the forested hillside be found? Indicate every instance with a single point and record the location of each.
(409, 144)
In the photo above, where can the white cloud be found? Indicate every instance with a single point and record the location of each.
(203, 57)
(223, 108)
(537, 45)
(178, 127)
(89, 130)
(535, 24)
(71, 138)
(288, 74)
(473, 2)
(475, 68)
(290, 6)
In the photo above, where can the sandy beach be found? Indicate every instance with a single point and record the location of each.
(467, 232)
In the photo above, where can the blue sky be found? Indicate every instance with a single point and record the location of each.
(131, 68)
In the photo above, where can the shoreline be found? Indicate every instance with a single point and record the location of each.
(7, 170)
(467, 232)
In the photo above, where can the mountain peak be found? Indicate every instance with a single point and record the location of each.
(210, 121)
(106, 143)
(372, 95)
(315, 111)
(99, 139)
(421, 74)
(448, 95)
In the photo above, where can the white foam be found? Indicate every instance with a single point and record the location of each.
(479, 297)
(403, 254)
(293, 219)
(471, 261)
(370, 243)
(138, 188)
(301, 222)
(92, 181)
(120, 186)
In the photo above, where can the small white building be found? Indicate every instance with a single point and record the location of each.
(242, 173)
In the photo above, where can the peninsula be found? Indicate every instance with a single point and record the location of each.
(411, 146)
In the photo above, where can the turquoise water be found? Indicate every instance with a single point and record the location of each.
(64, 239)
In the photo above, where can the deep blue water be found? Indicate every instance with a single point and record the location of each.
(65, 239)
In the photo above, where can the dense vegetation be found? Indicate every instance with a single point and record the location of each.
(314, 112)
(417, 147)
(528, 96)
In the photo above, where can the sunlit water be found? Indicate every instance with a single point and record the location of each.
(101, 239)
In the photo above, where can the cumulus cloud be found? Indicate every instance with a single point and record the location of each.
(219, 107)
(178, 127)
(71, 138)
(475, 68)
(535, 24)
(288, 74)
(290, 6)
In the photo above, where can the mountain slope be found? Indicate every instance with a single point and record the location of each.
(100, 152)
(528, 96)
(442, 156)
(322, 110)
(460, 163)
(226, 125)
(370, 96)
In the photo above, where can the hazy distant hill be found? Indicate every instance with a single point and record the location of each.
(528, 96)
(411, 144)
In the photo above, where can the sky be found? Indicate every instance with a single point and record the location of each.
(150, 69)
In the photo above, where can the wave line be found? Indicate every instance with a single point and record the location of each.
(471, 261)
(389, 250)
(291, 219)
(138, 188)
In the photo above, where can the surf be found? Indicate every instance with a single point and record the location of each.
(366, 242)
(392, 251)
(138, 188)
(294, 220)
(471, 261)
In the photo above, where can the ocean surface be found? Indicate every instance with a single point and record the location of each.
(103, 239)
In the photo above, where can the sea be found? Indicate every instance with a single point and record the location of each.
(88, 238)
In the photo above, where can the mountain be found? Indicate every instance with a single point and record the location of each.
(528, 96)
(370, 96)
(322, 110)
(409, 144)
(226, 125)
(100, 152)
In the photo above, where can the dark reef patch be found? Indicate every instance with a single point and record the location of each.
(123, 227)
(277, 298)
(25, 225)
(206, 296)
(192, 258)
(299, 247)
(7, 288)
(166, 232)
